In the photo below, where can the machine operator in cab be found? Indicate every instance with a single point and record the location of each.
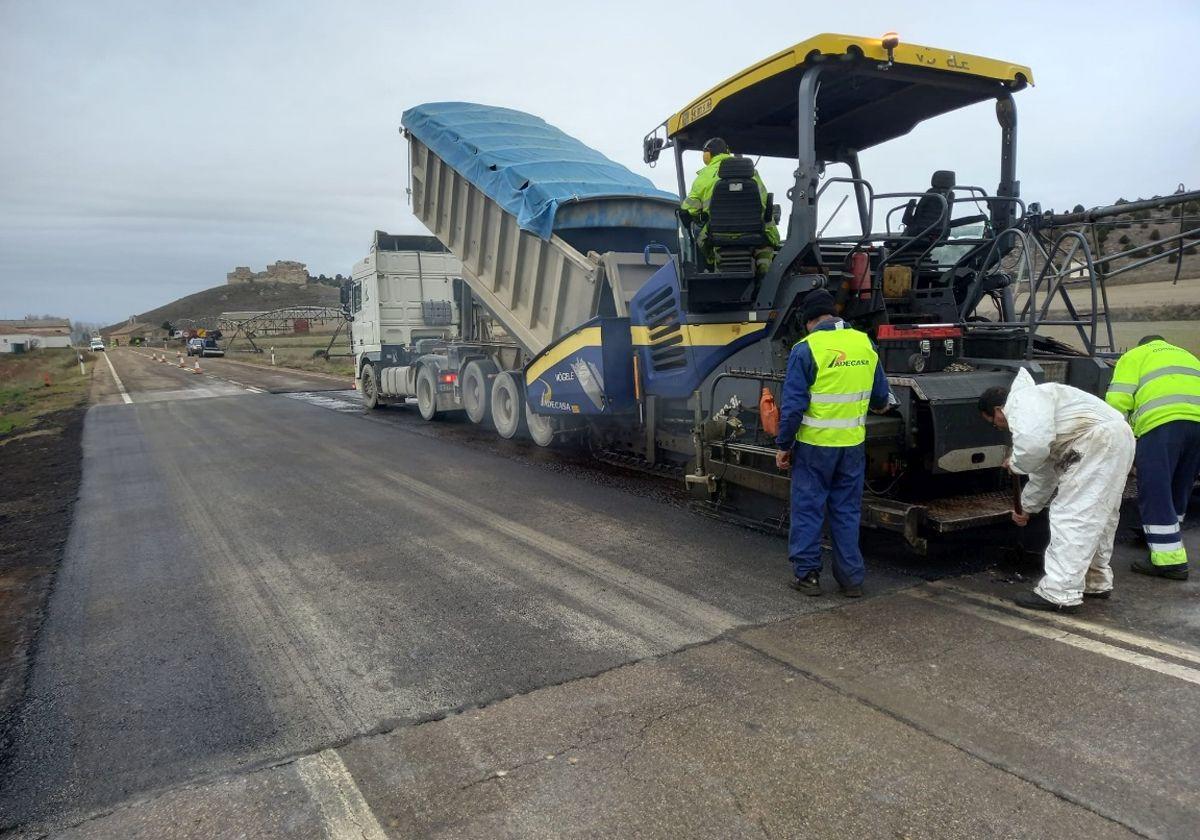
(697, 202)
(833, 378)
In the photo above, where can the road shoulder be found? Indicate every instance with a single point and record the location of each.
(42, 472)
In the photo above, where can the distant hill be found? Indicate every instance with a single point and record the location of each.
(206, 306)
(1142, 227)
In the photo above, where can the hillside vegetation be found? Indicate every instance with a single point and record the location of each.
(1148, 227)
(207, 306)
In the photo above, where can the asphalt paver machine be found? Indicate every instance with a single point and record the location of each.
(935, 276)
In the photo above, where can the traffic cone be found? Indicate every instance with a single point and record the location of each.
(196, 369)
(46, 380)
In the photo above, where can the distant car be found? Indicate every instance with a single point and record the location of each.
(97, 345)
(204, 347)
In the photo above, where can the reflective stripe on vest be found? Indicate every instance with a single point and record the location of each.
(845, 365)
(1159, 402)
(833, 422)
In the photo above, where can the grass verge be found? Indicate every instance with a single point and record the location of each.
(37, 384)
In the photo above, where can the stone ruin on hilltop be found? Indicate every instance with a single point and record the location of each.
(283, 271)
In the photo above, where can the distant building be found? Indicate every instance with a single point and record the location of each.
(135, 332)
(28, 334)
(283, 271)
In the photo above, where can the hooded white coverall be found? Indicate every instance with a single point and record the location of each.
(1067, 439)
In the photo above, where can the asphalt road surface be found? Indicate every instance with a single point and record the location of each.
(279, 615)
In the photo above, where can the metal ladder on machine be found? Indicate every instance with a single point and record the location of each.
(1067, 264)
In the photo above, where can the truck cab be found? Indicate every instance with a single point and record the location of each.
(401, 302)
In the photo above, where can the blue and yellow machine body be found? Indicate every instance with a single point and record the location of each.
(606, 365)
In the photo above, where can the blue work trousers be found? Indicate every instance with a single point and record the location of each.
(827, 481)
(1167, 461)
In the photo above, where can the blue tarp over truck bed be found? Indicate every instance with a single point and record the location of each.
(532, 169)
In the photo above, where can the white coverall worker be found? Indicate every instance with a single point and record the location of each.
(1067, 439)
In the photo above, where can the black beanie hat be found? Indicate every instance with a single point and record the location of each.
(818, 303)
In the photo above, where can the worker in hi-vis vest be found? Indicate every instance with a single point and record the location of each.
(697, 202)
(833, 377)
(1157, 386)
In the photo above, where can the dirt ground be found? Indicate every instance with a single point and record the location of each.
(298, 352)
(41, 482)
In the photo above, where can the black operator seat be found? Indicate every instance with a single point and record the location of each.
(735, 214)
(736, 227)
(736, 218)
(926, 220)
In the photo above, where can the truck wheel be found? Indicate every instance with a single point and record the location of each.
(477, 389)
(427, 393)
(369, 387)
(542, 429)
(508, 405)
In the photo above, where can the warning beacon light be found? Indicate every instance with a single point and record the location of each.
(890, 41)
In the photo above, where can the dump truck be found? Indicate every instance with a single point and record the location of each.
(589, 311)
(546, 233)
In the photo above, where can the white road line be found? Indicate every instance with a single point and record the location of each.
(346, 813)
(1141, 660)
(254, 390)
(1187, 654)
(120, 385)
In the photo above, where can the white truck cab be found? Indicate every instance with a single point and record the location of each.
(401, 298)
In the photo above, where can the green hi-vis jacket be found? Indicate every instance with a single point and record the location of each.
(700, 197)
(1155, 384)
(839, 397)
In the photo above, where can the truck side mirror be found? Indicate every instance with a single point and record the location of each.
(344, 294)
(651, 146)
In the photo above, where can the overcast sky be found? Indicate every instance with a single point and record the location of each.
(147, 148)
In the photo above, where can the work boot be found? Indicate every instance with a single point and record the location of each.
(1034, 601)
(810, 584)
(1176, 572)
(852, 591)
(1103, 596)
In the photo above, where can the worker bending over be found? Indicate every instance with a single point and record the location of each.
(1069, 440)
(698, 200)
(833, 376)
(1158, 385)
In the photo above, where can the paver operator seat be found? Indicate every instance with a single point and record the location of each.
(737, 218)
(734, 232)
(926, 220)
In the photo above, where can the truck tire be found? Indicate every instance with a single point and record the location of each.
(368, 386)
(541, 429)
(477, 389)
(508, 405)
(427, 393)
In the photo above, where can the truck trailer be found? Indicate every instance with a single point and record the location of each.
(587, 310)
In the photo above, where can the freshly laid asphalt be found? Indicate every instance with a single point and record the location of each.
(281, 616)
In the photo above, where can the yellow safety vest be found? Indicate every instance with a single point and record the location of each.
(837, 410)
(1155, 384)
